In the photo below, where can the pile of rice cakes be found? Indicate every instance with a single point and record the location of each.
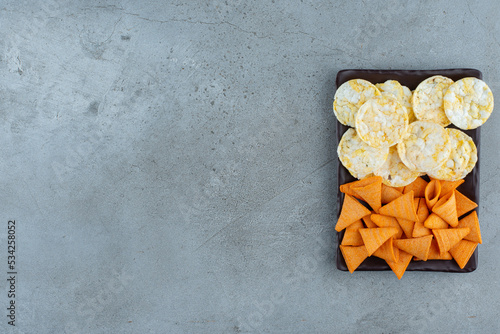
(400, 135)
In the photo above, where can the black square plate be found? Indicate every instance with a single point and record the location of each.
(470, 188)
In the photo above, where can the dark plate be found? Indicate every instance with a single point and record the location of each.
(470, 188)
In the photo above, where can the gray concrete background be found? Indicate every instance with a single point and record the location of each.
(171, 165)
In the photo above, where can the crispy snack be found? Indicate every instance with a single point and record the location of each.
(358, 157)
(459, 158)
(399, 267)
(464, 204)
(432, 192)
(352, 210)
(387, 221)
(418, 187)
(368, 221)
(434, 221)
(446, 208)
(373, 238)
(349, 97)
(471, 221)
(354, 256)
(351, 234)
(434, 253)
(389, 194)
(463, 251)
(371, 194)
(418, 247)
(449, 237)
(407, 226)
(347, 187)
(447, 186)
(425, 147)
(401, 207)
(387, 251)
(394, 172)
(428, 100)
(468, 103)
(381, 121)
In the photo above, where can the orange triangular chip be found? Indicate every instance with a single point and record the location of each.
(399, 267)
(418, 247)
(464, 204)
(449, 237)
(463, 251)
(375, 237)
(347, 187)
(387, 221)
(368, 221)
(471, 221)
(422, 211)
(400, 189)
(432, 192)
(407, 226)
(434, 253)
(447, 186)
(352, 210)
(418, 187)
(387, 251)
(401, 207)
(371, 194)
(434, 221)
(446, 208)
(351, 234)
(389, 194)
(353, 256)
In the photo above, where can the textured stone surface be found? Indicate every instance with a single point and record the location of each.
(171, 165)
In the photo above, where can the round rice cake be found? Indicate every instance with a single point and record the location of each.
(473, 158)
(349, 97)
(359, 158)
(468, 103)
(394, 172)
(381, 121)
(391, 87)
(461, 150)
(427, 100)
(425, 147)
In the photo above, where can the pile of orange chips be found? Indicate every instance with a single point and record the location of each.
(419, 221)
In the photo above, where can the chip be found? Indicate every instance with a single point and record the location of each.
(449, 237)
(468, 103)
(371, 194)
(447, 186)
(446, 208)
(387, 251)
(401, 207)
(373, 238)
(353, 256)
(463, 251)
(434, 253)
(428, 100)
(426, 146)
(349, 97)
(400, 266)
(432, 192)
(352, 236)
(359, 158)
(389, 194)
(381, 121)
(464, 204)
(387, 221)
(417, 186)
(352, 211)
(434, 221)
(471, 221)
(347, 187)
(418, 247)
(407, 226)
